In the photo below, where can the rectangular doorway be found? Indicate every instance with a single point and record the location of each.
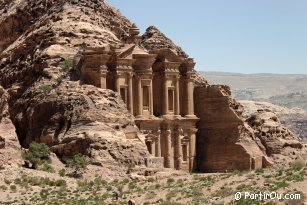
(171, 97)
(123, 94)
(146, 98)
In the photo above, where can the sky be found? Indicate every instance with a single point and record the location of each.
(242, 36)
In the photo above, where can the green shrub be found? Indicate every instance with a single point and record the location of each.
(224, 192)
(158, 186)
(60, 183)
(170, 203)
(243, 201)
(259, 171)
(78, 163)
(171, 194)
(59, 79)
(44, 193)
(13, 187)
(278, 185)
(7, 181)
(17, 181)
(47, 168)
(45, 89)
(37, 154)
(125, 181)
(238, 172)
(280, 172)
(62, 172)
(151, 179)
(131, 165)
(170, 180)
(3, 187)
(67, 65)
(99, 181)
(298, 165)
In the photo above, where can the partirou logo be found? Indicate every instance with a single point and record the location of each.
(266, 196)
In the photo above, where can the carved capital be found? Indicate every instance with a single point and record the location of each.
(167, 132)
(179, 132)
(191, 131)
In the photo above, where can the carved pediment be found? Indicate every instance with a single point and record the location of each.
(167, 55)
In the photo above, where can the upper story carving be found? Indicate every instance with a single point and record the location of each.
(156, 83)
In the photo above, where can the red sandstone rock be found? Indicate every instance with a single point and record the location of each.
(276, 141)
(9, 145)
(224, 141)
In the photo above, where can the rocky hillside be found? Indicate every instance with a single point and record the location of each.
(39, 43)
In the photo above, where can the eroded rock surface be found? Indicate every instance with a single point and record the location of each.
(9, 145)
(277, 142)
(295, 119)
(39, 41)
(153, 39)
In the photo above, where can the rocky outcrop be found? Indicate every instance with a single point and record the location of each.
(83, 119)
(38, 52)
(224, 141)
(277, 142)
(9, 146)
(153, 39)
(295, 119)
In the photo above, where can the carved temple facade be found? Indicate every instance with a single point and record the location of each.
(157, 88)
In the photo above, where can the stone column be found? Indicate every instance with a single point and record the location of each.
(158, 145)
(165, 97)
(153, 147)
(190, 97)
(192, 151)
(178, 151)
(103, 79)
(117, 83)
(177, 103)
(150, 99)
(140, 98)
(130, 94)
(168, 146)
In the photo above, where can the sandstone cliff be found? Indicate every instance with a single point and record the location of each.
(9, 145)
(39, 42)
(224, 141)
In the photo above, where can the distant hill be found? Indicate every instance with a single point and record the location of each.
(288, 91)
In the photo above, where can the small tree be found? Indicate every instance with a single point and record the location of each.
(78, 163)
(37, 154)
(67, 65)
